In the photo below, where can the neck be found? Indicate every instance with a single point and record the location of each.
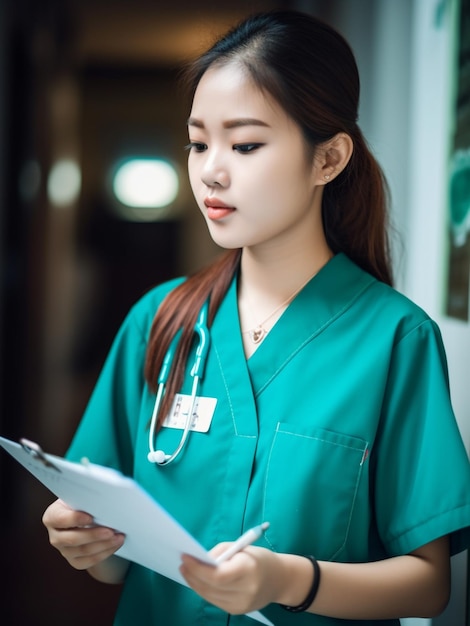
(275, 276)
(267, 288)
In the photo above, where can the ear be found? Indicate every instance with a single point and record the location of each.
(333, 156)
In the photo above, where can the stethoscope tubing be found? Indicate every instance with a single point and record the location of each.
(159, 457)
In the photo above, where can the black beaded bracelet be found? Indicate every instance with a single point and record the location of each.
(313, 589)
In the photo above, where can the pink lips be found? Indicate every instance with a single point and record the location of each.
(216, 209)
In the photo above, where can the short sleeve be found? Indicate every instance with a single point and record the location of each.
(422, 478)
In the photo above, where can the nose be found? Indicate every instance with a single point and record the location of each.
(214, 173)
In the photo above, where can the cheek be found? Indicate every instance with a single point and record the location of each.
(193, 176)
(282, 171)
(277, 183)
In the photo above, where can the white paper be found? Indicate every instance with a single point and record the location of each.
(154, 538)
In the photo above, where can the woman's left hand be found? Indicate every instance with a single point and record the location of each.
(247, 582)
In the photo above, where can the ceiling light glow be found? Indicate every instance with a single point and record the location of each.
(145, 183)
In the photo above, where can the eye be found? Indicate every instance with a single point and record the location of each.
(197, 146)
(246, 148)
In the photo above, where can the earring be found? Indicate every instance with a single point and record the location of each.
(327, 177)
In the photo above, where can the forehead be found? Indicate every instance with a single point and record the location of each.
(227, 92)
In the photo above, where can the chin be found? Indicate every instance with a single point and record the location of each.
(227, 242)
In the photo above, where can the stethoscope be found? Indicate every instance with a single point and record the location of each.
(197, 372)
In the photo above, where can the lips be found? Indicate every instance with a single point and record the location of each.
(216, 209)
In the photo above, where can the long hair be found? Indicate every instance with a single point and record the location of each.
(310, 71)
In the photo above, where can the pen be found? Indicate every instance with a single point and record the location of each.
(242, 542)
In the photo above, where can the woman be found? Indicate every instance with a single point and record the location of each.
(332, 401)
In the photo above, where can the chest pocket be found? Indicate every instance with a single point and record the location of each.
(311, 487)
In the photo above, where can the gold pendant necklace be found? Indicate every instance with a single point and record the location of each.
(259, 332)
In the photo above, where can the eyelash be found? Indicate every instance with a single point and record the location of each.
(246, 148)
(241, 148)
(196, 145)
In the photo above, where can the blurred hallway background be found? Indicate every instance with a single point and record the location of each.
(86, 85)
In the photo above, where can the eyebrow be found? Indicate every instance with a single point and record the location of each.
(235, 123)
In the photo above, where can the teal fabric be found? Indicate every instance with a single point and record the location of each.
(338, 430)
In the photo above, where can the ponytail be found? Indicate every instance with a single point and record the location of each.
(355, 214)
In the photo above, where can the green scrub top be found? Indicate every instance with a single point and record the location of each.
(338, 430)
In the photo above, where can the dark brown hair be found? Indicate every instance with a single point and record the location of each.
(310, 70)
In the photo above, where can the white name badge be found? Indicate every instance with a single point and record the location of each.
(203, 413)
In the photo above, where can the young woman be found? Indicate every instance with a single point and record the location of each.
(332, 418)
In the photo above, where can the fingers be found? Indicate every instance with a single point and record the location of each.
(80, 542)
(59, 515)
(248, 581)
(232, 586)
(206, 580)
(86, 547)
(219, 549)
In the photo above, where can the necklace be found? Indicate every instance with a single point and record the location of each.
(259, 332)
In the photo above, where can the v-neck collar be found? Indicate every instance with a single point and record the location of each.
(325, 297)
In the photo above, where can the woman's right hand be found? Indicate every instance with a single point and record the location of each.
(74, 534)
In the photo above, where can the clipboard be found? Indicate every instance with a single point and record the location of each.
(120, 503)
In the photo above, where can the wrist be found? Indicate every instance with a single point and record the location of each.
(112, 570)
(296, 580)
(312, 593)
